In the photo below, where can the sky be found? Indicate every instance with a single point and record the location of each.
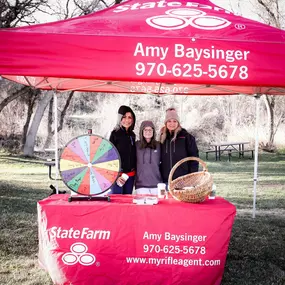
(245, 8)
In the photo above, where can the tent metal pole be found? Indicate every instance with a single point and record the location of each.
(56, 139)
(181, 109)
(257, 97)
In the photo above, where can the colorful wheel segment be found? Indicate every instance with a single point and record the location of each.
(89, 165)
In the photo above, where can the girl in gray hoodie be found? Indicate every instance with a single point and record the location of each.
(148, 160)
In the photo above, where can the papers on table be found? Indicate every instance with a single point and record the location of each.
(146, 200)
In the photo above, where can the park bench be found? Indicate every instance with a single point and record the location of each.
(227, 148)
(209, 151)
(50, 162)
(215, 152)
(240, 153)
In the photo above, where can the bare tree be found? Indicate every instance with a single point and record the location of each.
(61, 119)
(87, 7)
(272, 12)
(14, 94)
(75, 8)
(49, 124)
(30, 101)
(18, 12)
(25, 95)
(22, 12)
(34, 126)
(12, 14)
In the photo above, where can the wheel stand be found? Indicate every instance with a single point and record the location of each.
(89, 198)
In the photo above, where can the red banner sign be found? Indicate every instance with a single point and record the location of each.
(118, 242)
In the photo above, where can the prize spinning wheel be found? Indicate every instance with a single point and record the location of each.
(89, 165)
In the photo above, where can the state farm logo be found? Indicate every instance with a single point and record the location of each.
(79, 254)
(180, 18)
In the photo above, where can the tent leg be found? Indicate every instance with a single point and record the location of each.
(56, 140)
(257, 97)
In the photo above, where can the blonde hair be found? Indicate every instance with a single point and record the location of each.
(163, 133)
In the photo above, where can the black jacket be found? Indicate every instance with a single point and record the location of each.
(172, 151)
(125, 144)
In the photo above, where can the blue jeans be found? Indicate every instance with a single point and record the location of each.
(127, 187)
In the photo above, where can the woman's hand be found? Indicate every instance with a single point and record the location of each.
(121, 181)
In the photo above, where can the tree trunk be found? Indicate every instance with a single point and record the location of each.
(61, 119)
(31, 137)
(270, 104)
(31, 104)
(49, 125)
(63, 113)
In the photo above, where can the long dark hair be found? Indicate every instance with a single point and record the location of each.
(144, 144)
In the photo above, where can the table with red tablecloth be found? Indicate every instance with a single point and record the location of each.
(118, 242)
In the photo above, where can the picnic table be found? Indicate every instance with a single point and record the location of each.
(50, 161)
(229, 148)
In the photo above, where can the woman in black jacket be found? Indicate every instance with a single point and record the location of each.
(124, 139)
(176, 144)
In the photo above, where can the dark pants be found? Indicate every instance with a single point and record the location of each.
(127, 187)
(166, 184)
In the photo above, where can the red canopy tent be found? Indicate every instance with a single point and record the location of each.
(175, 47)
(162, 47)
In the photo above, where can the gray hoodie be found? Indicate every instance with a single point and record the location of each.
(148, 160)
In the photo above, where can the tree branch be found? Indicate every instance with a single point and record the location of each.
(270, 13)
(13, 96)
(63, 113)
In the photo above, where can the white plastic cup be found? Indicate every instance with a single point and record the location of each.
(125, 177)
(213, 192)
(161, 190)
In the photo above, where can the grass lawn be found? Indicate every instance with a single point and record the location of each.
(257, 248)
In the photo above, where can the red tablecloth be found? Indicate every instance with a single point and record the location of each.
(118, 242)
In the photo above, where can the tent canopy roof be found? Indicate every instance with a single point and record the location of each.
(162, 47)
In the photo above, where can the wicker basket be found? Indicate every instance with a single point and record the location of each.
(193, 187)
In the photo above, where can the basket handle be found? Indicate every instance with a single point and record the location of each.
(182, 161)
